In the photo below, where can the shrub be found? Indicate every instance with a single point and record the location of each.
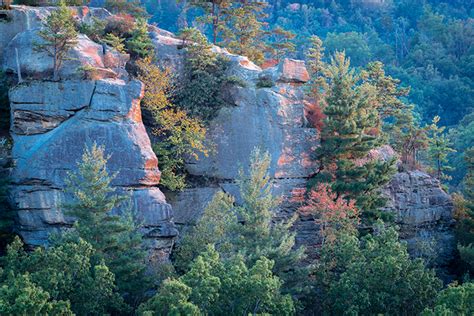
(200, 88)
(94, 30)
(265, 82)
(139, 44)
(120, 25)
(179, 135)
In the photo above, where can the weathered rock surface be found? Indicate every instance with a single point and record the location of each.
(52, 123)
(69, 116)
(23, 18)
(424, 213)
(274, 120)
(37, 64)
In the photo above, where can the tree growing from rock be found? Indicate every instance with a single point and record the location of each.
(139, 44)
(114, 237)
(351, 130)
(59, 35)
(199, 91)
(179, 135)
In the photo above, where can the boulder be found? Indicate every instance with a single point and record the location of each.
(52, 123)
(292, 70)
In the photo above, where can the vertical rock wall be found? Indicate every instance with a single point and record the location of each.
(52, 123)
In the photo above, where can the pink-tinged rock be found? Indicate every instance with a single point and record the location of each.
(62, 119)
(36, 64)
(114, 59)
(293, 71)
(23, 18)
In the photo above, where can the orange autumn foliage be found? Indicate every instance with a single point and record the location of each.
(314, 114)
(331, 212)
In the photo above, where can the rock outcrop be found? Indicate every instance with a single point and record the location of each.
(423, 211)
(53, 122)
(274, 119)
(24, 18)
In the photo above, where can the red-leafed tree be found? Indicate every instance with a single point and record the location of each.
(331, 212)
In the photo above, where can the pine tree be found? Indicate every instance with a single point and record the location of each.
(114, 237)
(246, 34)
(215, 14)
(317, 85)
(213, 228)
(59, 36)
(316, 68)
(139, 44)
(439, 146)
(258, 236)
(280, 43)
(248, 229)
(351, 131)
(465, 227)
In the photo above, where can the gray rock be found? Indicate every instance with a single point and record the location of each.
(189, 204)
(424, 213)
(22, 18)
(270, 119)
(37, 64)
(106, 112)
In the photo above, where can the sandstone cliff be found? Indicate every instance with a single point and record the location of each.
(275, 120)
(52, 121)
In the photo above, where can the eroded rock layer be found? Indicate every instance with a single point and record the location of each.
(53, 122)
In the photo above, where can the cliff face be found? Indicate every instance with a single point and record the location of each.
(423, 211)
(275, 120)
(53, 121)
